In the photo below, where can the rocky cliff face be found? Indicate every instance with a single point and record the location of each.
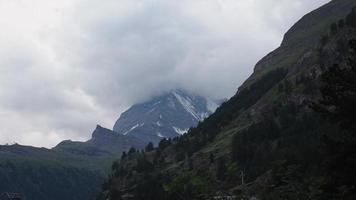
(166, 116)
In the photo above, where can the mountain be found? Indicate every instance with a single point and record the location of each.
(102, 142)
(166, 116)
(40, 173)
(75, 170)
(71, 170)
(269, 141)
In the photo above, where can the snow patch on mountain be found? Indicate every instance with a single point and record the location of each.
(180, 131)
(187, 105)
(156, 103)
(158, 123)
(160, 135)
(153, 109)
(132, 128)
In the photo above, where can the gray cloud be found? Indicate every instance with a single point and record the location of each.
(64, 67)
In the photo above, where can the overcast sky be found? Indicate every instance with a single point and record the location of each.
(68, 65)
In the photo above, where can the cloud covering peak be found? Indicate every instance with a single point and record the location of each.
(67, 66)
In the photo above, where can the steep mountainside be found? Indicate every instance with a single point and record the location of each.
(299, 41)
(165, 116)
(265, 142)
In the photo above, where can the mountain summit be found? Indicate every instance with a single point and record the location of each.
(165, 116)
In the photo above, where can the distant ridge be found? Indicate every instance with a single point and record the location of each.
(103, 142)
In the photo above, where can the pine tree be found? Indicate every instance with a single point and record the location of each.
(221, 169)
(132, 150)
(333, 28)
(149, 147)
(351, 18)
(123, 155)
(212, 158)
(341, 23)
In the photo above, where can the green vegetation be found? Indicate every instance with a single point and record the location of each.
(351, 18)
(338, 105)
(149, 147)
(39, 173)
(39, 181)
(190, 185)
(281, 145)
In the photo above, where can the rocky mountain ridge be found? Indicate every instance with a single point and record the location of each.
(166, 116)
(103, 142)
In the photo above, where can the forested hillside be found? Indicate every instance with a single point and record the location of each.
(288, 132)
(39, 173)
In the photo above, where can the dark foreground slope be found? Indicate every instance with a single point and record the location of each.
(265, 142)
(71, 170)
(39, 173)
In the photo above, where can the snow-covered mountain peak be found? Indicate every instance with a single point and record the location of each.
(165, 116)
